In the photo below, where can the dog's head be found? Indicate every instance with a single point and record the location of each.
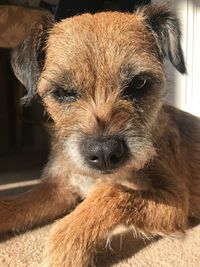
(102, 81)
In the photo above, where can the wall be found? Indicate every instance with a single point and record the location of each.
(185, 90)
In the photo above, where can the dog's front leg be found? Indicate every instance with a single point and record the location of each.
(45, 202)
(73, 239)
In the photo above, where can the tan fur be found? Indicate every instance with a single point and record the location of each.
(156, 190)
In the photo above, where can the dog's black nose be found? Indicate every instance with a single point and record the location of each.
(104, 153)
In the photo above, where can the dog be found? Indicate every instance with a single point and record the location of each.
(119, 156)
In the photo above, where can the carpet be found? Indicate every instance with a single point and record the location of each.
(26, 250)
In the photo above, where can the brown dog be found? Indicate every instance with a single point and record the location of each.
(133, 160)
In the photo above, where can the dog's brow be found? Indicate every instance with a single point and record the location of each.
(59, 83)
(129, 74)
(55, 80)
(129, 71)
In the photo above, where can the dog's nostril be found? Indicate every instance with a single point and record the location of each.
(93, 158)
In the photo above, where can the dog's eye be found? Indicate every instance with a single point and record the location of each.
(137, 87)
(63, 95)
(138, 83)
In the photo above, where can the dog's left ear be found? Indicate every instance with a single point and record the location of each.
(165, 26)
(28, 57)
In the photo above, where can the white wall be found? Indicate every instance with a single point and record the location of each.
(186, 89)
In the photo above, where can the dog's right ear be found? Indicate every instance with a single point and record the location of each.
(28, 57)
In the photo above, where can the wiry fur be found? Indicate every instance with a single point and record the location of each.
(157, 189)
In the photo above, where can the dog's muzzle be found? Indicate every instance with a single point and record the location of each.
(104, 153)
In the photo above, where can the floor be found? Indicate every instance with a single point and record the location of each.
(19, 173)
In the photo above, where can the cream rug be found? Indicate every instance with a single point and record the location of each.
(26, 250)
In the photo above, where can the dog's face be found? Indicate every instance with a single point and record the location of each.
(102, 82)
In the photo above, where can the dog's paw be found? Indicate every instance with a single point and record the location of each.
(66, 246)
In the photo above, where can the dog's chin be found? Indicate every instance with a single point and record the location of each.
(85, 179)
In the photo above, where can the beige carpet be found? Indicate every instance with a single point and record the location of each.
(26, 250)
